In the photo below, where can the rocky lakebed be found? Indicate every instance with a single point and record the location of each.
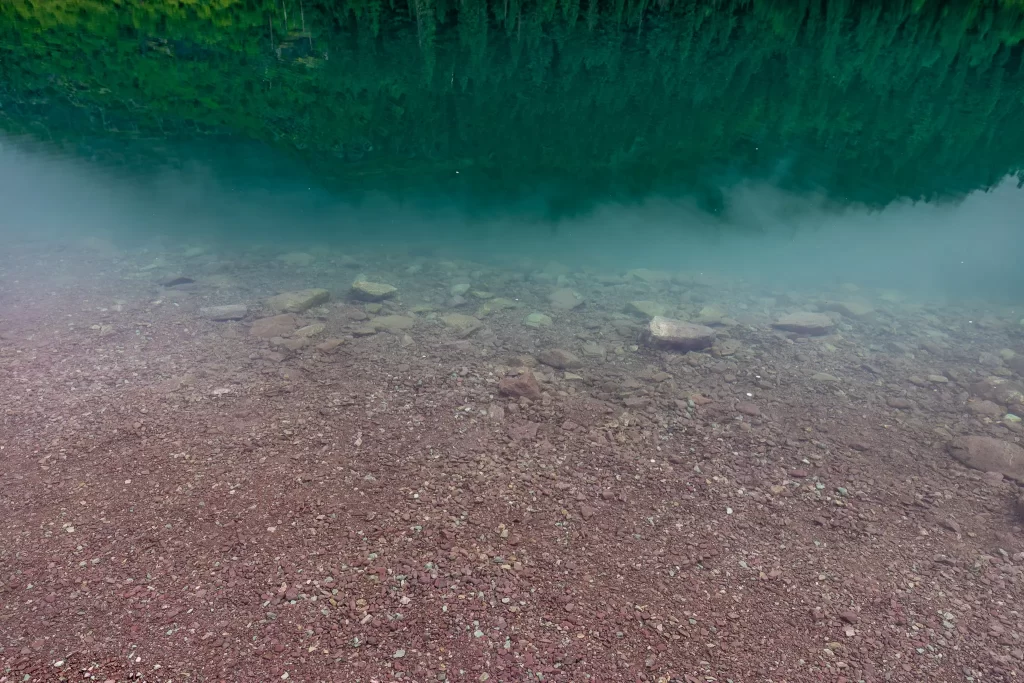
(358, 465)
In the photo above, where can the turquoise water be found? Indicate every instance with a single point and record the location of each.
(471, 122)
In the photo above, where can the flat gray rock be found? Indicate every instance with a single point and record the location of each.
(222, 313)
(297, 302)
(372, 291)
(680, 335)
(802, 322)
(275, 326)
(559, 359)
(565, 299)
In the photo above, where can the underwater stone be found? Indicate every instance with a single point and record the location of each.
(372, 291)
(677, 334)
(310, 330)
(462, 325)
(498, 304)
(521, 385)
(560, 359)
(803, 322)
(565, 299)
(274, 326)
(329, 345)
(988, 454)
(393, 323)
(651, 277)
(222, 313)
(646, 309)
(538, 320)
(175, 280)
(299, 301)
(709, 315)
(999, 390)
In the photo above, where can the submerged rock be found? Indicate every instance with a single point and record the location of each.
(372, 291)
(988, 454)
(497, 304)
(850, 309)
(393, 323)
(646, 309)
(678, 334)
(710, 315)
(522, 385)
(462, 325)
(538, 320)
(329, 345)
(1000, 390)
(274, 326)
(298, 301)
(650, 276)
(175, 281)
(565, 299)
(222, 313)
(804, 322)
(310, 330)
(560, 359)
(986, 408)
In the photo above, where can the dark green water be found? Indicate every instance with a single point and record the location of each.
(576, 101)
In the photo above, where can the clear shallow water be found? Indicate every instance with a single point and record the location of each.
(756, 138)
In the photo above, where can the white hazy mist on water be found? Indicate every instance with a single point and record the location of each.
(972, 247)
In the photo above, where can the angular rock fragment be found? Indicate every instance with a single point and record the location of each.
(522, 385)
(274, 326)
(988, 454)
(393, 323)
(176, 280)
(462, 325)
(299, 301)
(850, 309)
(999, 390)
(329, 345)
(646, 309)
(803, 322)
(372, 291)
(310, 331)
(559, 359)
(565, 299)
(678, 334)
(538, 320)
(222, 313)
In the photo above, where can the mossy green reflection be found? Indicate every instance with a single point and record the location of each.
(870, 101)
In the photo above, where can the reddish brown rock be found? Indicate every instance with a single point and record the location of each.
(999, 390)
(274, 326)
(560, 359)
(989, 454)
(521, 385)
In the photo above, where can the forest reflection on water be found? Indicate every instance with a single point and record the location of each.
(864, 102)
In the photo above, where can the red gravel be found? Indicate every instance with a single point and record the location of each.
(183, 502)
